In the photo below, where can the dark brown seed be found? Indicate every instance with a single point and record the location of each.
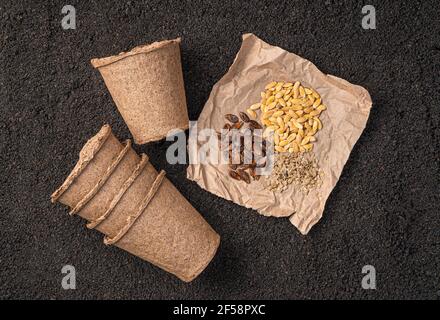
(237, 125)
(234, 175)
(244, 117)
(233, 166)
(244, 176)
(254, 125)
(227, 126)
(231, 118)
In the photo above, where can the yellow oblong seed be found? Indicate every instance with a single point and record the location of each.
(293, 114)
(251, 113)
(319, 123)
(291, 137)
(271, 106)
(263, 94)
(301, 120)
(280, 131)
(317, 103)
(296, 101)
(255, 106)
(287, 84)
(295, 146)
(295, 89)
(307, 103)
(315, 94)
(279, 95)
(307, 125)
(305, 141)
(308, 91)
(282, 102)
(308, 109)
(270, 100)
(270, 85)
(298, 125)
(280, 122)
(268, 114)
(315, 125)
(280, 149)
(308, 147)
(283, 143)
(302, 93)
(276, 114)
(312, 139)
(321, 107)
(314, 113)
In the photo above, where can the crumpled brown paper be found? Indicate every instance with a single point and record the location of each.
(348, 107)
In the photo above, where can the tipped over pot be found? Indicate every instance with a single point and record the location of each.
(137, 208)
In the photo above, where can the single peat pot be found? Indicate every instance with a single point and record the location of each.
(147, 86)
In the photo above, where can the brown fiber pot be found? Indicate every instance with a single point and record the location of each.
(138, 210)
(147, 86)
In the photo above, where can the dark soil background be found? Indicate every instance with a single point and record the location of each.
(383, 212)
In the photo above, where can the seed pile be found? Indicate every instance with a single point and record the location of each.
(238, 169)
(299, 169)
(291, 112)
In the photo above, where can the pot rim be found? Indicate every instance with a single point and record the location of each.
(86, 155)
(145, 48)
